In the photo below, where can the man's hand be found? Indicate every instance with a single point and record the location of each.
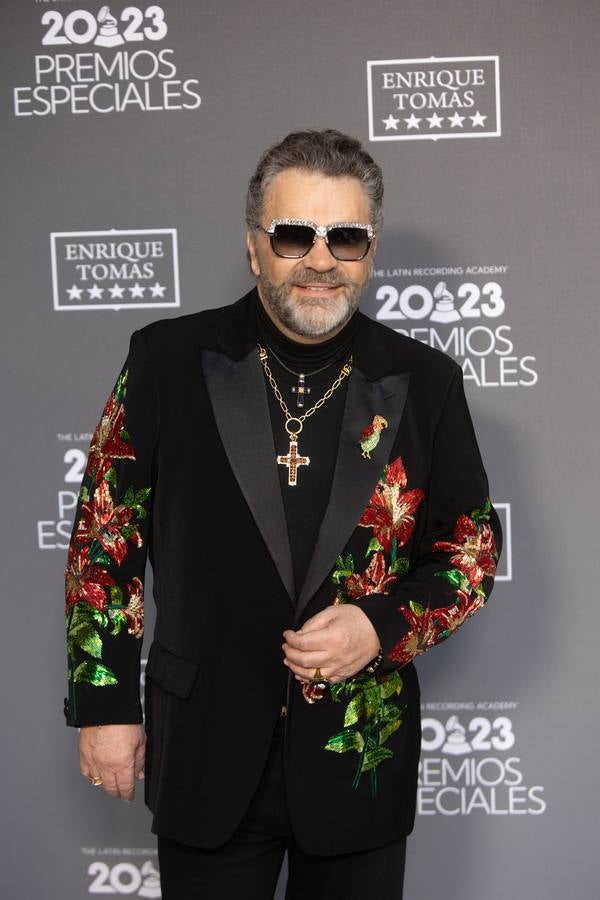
(339, 640)
(114, 754)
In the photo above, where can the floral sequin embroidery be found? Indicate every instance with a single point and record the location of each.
(391, 510)
(473, 553)
(371, 716)
(96, 605)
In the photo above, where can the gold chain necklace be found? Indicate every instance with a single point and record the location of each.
(294, 424)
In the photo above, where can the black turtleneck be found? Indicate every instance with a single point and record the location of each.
(305, 502)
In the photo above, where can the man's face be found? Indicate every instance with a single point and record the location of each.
(310, 299)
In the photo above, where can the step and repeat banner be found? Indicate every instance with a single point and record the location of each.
(129, 133)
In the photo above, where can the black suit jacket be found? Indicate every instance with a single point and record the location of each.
(182, 466)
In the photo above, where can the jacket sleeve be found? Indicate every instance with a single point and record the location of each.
(107, 552)
(423, 600)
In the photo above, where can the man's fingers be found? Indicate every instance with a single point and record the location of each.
(125, 783)
(306, 659)
(139, 763)
(109, 783)
(314, 640)
(320, 620)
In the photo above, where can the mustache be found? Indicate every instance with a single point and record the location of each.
(311, 276)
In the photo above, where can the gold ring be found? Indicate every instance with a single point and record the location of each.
(93, 779)
(319, 677)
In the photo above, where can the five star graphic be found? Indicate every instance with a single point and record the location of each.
(435, 121)
(390, 122)
(456, 120)
(478, 119)
(412, 122)
(116, 291)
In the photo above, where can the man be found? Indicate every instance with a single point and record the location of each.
(308, 487)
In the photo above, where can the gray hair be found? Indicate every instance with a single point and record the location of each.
(328, 152)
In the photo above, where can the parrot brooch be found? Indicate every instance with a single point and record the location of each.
(371, 434)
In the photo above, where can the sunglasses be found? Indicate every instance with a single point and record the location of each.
(293, 238)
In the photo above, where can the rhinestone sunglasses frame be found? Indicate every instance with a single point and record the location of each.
(319, 231)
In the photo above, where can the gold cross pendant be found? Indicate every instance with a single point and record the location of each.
(292, 461)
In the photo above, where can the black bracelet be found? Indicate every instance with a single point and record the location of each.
(372, 667)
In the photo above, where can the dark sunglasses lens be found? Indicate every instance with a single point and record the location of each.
(348, 243)
(293, 240)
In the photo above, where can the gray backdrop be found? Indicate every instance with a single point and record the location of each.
(150, 123)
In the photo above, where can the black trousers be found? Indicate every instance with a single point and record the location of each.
(248, 865)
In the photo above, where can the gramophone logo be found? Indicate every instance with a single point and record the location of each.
(429, 99)
(108, 34)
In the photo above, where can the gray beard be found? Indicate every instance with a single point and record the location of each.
(312, 317)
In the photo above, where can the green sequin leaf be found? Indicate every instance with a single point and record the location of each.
(343, 568)
(373, 546)
(354, 710)
(129, 497)
(84, 494)
(389, 728)
(336, 690)
(85, 612)
(340, 575)
(98, 555)
(372, 699)
(393, 551)
(116, 595)
(84, 635)
(111, 476)
(121, 386)
(94, 673)
(417, 608)
(345, 740)
(374, 756)
(482, 515)
(142, 495)
(117, 619)
(401, 566)
(392, 685)
(454, 577)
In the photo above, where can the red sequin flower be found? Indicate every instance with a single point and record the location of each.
(85, 581)
(374, 580)
(423, 633)
(135, 608)
(391, 509)
(111, 525)
(474, 550)
(109, 439)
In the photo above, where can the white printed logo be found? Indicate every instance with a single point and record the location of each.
(124, 878)
(81, 27)
(96, 65)
(429, 99)
(460, 310)
(54, 534)
(115, 269)
(466, 768)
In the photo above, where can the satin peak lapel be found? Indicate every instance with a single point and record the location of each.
(354, 478)
(237, 393)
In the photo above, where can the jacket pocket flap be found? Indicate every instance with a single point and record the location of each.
(171, 672)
